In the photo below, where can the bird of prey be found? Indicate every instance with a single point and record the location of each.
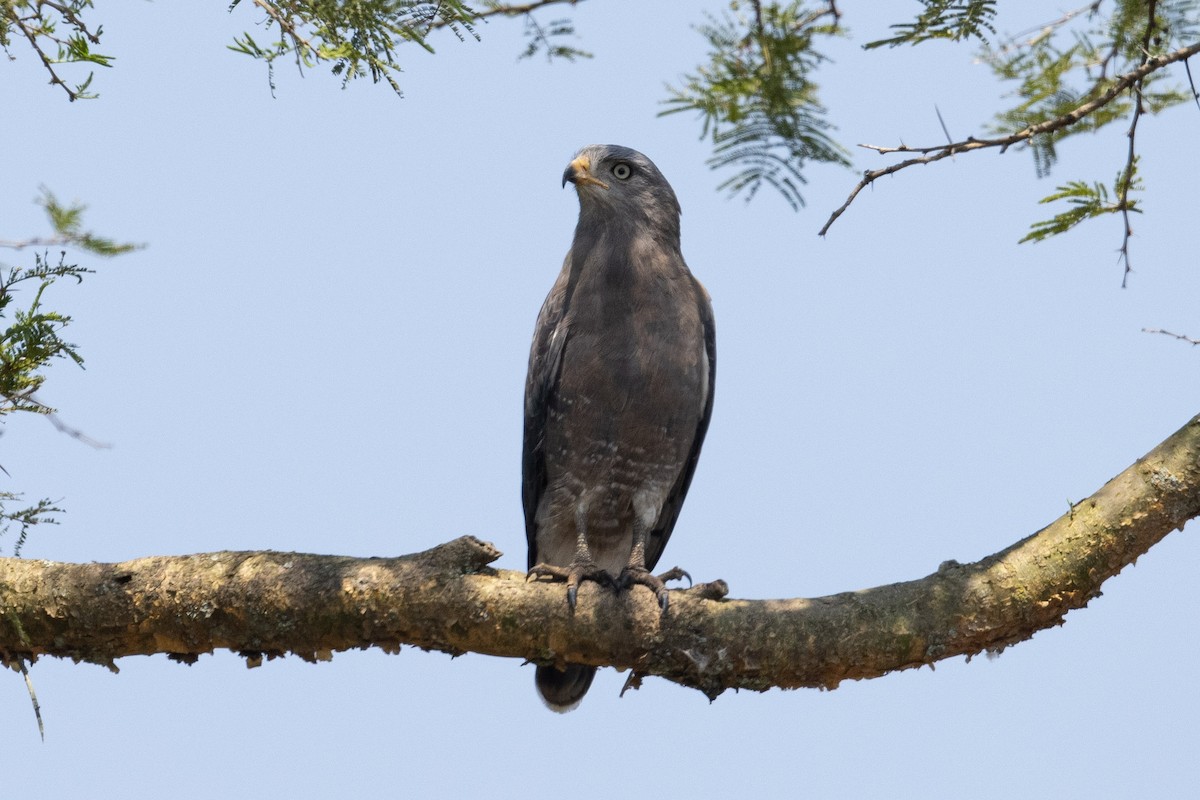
(619, 393)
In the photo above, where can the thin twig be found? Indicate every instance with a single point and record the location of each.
(75, 433)
(37, 48)
(37, 708)
(1124, 184)
(1195, 95)
(1045, 29)
(1139, 108)
(288, 28)
(70, 17)
(499, 9)
(15, 622)
(1178, 336)
(937, 153)
(37, 241)
(539, 35)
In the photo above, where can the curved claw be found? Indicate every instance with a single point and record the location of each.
(641, 576)
(577, 573)
(674, 574)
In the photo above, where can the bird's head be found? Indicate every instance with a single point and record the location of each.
(620, 184)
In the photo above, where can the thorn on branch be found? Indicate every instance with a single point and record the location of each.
(634, 681)
(1195, 95)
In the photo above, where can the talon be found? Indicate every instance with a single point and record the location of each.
(641, 576)
(578, 572)
(674, 574)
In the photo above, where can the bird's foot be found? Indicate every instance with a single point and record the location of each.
(577, 573)
(640, 576)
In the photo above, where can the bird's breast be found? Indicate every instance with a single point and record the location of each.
(629, 397)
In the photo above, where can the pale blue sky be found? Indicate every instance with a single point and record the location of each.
(323, 349)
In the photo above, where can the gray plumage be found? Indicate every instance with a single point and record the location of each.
(619, 392)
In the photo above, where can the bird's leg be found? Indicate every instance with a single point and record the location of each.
(635, 571)
(582, 567)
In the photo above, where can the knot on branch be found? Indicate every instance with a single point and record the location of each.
(463, 556)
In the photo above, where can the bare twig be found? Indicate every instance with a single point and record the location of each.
(76, 434)
(1124, 184)
(506, 10)
(29, 34)
(37, 707)
(936, 153)
(1040, 32)
(37, 241)
(72, 19)
(1126, 181)
(1178, 336)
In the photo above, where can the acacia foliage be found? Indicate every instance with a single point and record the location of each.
(32, 334)
(756, 96)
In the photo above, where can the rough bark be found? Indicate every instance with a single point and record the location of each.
(268, 603)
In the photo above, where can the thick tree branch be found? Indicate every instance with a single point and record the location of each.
(447, 598)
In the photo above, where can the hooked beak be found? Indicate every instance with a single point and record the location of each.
(579, 173)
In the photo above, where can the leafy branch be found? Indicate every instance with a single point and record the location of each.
(67, 222)
(1087, 201)
(1097, 102)
(548, 39)
(757, 99)
(34, 336)
(24, 519)
(944, 20)
(58, 34)
(361, 38)
(1135, 32)
(1122, 61)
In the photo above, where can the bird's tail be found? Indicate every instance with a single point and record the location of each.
(563, 689)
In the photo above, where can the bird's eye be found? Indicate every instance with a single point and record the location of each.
(622, 171)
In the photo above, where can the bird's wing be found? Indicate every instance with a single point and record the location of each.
(545, 361)
(674, 502)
